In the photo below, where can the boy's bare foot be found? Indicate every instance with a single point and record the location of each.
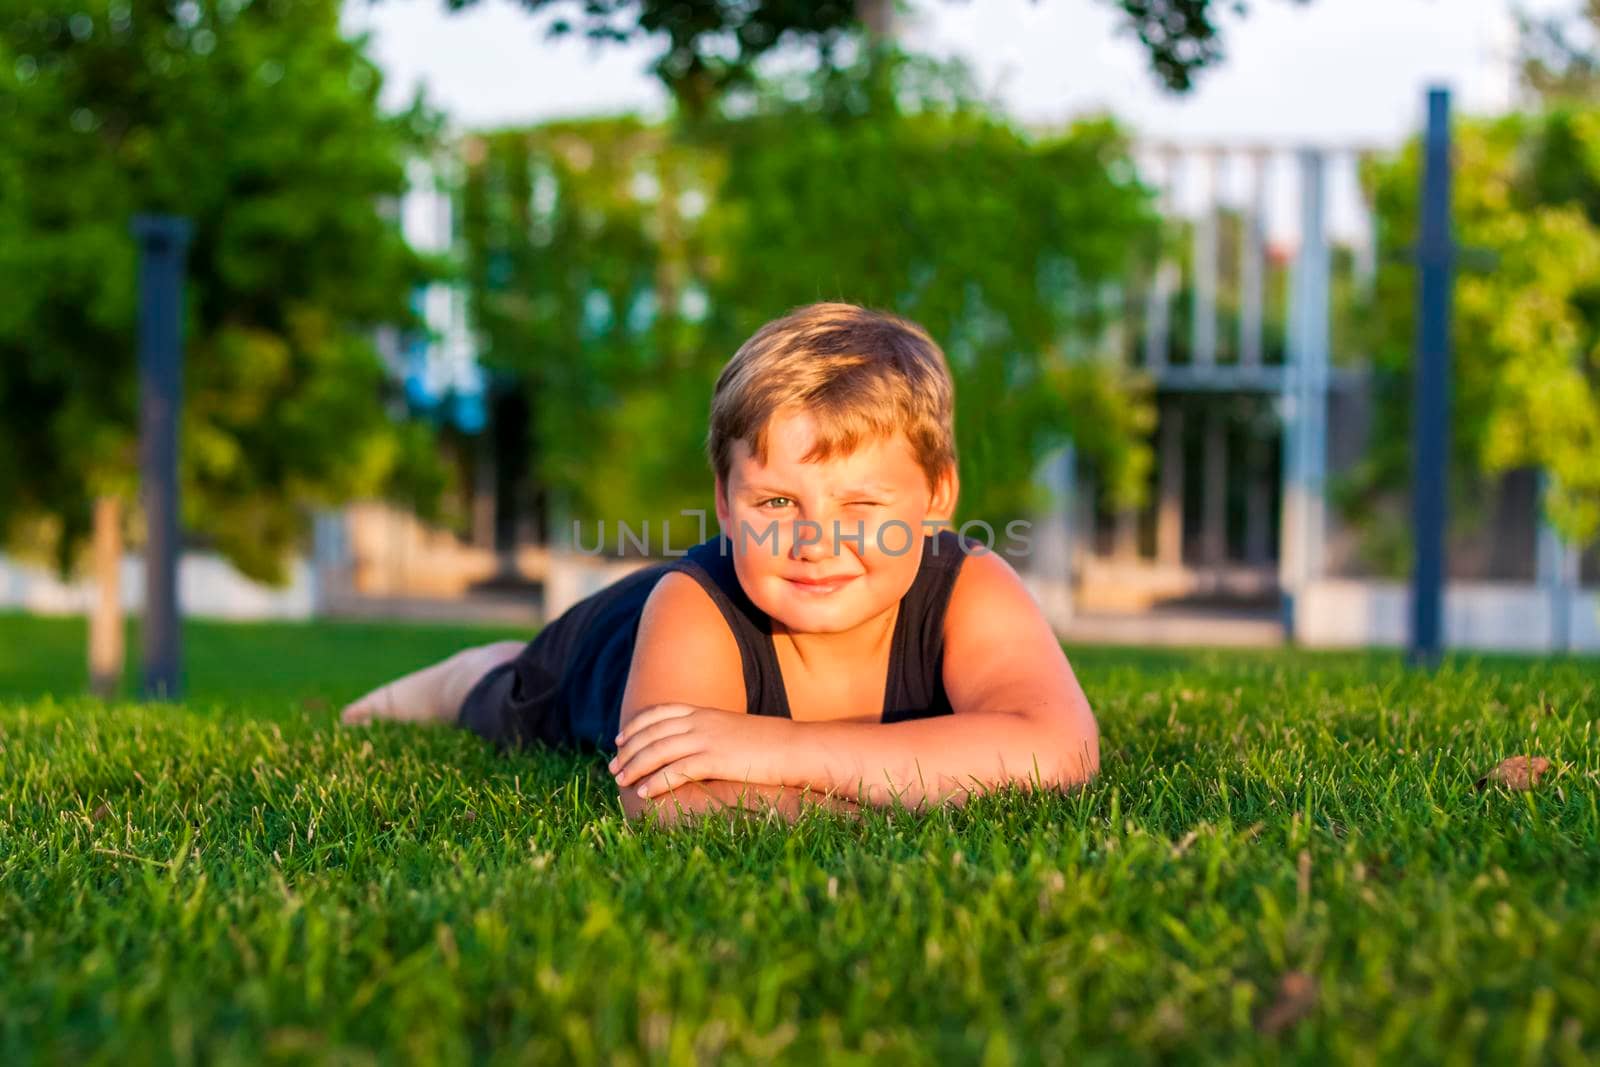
(433, 694)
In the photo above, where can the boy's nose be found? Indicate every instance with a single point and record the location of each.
(808, 541)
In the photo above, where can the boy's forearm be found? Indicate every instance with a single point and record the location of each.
(736, 798)
(926, 761)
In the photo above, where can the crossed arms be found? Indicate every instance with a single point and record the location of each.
(1020, 716)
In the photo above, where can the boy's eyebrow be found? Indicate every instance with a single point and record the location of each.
(858, 490)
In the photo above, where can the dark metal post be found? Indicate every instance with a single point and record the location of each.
(1431, 401)
(163, 245)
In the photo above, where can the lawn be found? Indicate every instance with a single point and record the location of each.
(1286, 857)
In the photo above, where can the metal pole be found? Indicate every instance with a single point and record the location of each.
(1053, 547)
(1558, 568)
(1158, 301)
(1203, 306)
(1257, 501)
(1252, 268)
(1169, 504)
(1431, 402)
(1305, 427)
(163, 244)
(1214, 491)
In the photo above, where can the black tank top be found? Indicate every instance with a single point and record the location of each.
(569, 680)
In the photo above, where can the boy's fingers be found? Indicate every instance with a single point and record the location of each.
(641, 738)
(653, 756)
(652, 715)
(693, 768)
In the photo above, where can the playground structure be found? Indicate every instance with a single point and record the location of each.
(1239, 543)
(1237, 509)
(1263, 399)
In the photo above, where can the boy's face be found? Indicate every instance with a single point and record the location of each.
(800, 521)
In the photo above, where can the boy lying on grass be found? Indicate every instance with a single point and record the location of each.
(833, 644)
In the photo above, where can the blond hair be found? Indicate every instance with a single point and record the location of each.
(862, 374)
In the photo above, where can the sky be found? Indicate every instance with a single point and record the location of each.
(1331, 71)
(1341, 74)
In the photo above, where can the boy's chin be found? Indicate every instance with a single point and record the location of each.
(820, 618)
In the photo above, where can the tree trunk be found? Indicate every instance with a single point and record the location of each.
(878, 18)
(105, 621)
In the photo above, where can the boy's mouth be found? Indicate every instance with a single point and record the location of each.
(822, 587)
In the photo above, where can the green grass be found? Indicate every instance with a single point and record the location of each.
(239, 880)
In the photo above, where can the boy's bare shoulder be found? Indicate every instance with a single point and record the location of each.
(999, 647)
(984, 578)
(679, 601)
(684, 652)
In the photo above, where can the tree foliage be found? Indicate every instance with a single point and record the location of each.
(581, 255)
(713, 46)
(617, 265)
(260, 123)
(1526, 329)
(1558, 56)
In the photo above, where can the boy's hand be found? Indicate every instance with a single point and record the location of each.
(667, 744)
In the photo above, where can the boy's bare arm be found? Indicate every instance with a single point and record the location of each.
(684, 651)
(930, 761)
(914, 763)
(1020, 715)
(736, 799)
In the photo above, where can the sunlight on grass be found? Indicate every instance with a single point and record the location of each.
(238, 879)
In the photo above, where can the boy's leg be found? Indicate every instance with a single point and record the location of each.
(433, 694)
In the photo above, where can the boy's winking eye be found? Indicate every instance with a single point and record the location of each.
(876, 494)
(790, 500)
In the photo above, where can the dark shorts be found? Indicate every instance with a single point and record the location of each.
(500, 708)
(565, 687)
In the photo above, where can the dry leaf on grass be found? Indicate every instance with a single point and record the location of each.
(1518, 772)
(1297, 995)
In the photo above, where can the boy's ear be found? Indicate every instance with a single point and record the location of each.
(946, 490)
(721, 502)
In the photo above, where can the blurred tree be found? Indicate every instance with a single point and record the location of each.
(584, 243)
(617, 266)
(1558, 55)
(260, 123)
(713, 45)
(891, 184)
(1526, 388)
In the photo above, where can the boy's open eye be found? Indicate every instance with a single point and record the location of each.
(786, 501)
